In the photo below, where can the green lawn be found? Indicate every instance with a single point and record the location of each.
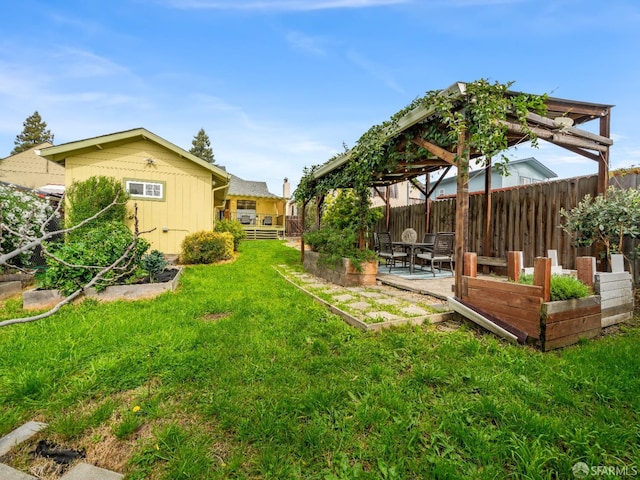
(240, 375)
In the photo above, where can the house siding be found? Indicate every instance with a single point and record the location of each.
(29, 170)
(188, 203)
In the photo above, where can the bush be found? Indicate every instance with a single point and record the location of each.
(88, 197)
(99, 246)
(206, 247)
(234, 227)
(154, 264)
(335, 244)
(563, 287)
(24, 213)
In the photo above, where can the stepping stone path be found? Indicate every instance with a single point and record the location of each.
(360, 305)
(82, 471)
(372, 307)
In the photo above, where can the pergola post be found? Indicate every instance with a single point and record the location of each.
(304, 211)
(487, 247)
(462, 208)
(603, 164)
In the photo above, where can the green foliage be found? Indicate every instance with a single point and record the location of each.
(153, 263)
(379, 149)
(206, 247)
(280, 388)
(24, 213)
(90, 251)
(201, 147)
(563, 287)
(338, 236)
(88, 197)
(34, 133)
(234, 227)
(605, 219)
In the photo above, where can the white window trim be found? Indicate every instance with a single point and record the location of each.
(144, 183)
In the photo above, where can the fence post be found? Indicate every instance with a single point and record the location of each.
(470, 264)
(586, 267)
(542, 276)
(513, 265)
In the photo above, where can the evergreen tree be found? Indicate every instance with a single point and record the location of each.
(34, 133)
(202, 147)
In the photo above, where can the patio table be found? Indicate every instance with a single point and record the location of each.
(410, 248)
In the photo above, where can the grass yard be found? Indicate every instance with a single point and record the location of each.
(240, 375)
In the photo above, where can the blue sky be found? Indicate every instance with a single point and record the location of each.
(282, 84)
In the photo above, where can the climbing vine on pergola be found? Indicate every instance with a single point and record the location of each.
(479, 118)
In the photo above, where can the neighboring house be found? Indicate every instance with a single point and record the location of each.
(521, 172)
(30, 170)
(400, 195)
(176, 192)
(256, 208)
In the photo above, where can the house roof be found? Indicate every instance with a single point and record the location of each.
(536, 164)
(60, 152)
(248, 188)
(33, 151)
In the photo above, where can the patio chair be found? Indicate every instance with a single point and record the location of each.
(267, 220)
(245, 219)
(376, 242)
(442, 252)
(388, 253)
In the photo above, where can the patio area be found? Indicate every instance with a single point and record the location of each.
(423, 282)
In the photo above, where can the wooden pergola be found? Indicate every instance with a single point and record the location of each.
(558, 126)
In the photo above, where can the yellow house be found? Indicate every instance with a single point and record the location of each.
(176, 192)
(261, 213)
(28, 169)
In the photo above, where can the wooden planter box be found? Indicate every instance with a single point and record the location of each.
(41, 299)
(344, 274)
(616, 296)
(566, 322)
(547, 324)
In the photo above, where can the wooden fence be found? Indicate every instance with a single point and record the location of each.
(524, 218)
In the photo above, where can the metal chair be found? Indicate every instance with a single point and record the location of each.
(442, 252)
(388, 253)
(245, 219)
(268, 220)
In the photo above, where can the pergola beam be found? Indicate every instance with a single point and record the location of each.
(439, 152)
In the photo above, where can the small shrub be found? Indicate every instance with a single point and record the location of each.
(563, 287)
(154, 264)
(234, 227)
(335, 244)
(99, 246)
(206, 247)
(88, 197)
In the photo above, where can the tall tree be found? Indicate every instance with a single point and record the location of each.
(34, 133)
(202, 147)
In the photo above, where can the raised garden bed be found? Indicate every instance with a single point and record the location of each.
(344, 274)
(40, 299)
(527, 308)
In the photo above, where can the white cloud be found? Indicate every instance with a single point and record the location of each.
(303, 42)
(279, 5)
(375, 70)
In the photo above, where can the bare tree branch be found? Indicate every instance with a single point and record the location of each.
(94, 281)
